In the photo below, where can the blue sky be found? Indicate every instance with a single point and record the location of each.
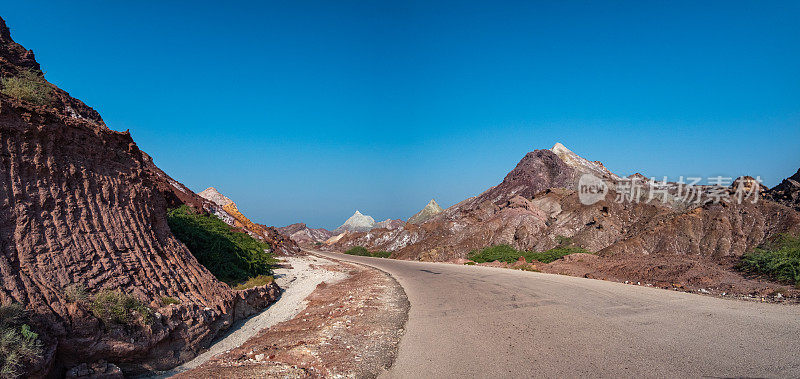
(306, 111)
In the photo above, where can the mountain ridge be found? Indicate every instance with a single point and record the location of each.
(537, 205)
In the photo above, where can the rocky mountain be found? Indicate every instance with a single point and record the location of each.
(356, 223)
(537, 204)
(427, 213)
(303, 235)
(83, 210)
(390, 224)
(787, 192)
(581, 165)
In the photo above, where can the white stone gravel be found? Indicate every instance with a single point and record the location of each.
(297, 283)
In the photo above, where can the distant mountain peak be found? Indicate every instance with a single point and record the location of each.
(358, 222)
(427, 213)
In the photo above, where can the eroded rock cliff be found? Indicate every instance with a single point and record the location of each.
(80, 205)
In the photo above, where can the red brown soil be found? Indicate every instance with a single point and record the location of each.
(349, 329)
(81, 204)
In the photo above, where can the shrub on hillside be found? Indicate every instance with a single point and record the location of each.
(113, 306)
(508, 254)
(168, 300)
(382, 254)
(230, 255)
(28, 86)
(358, 250)
(18, 343)
(258, 281)
(502, 253)
(76, 293)
(778, 259)
(551, 255)
(363, 252)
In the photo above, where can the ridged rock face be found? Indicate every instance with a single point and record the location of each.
(81, 204)
(787, 192)
(224, 208)
(356, 223)
(427, 213)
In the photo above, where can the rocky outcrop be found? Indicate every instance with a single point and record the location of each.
(787, 192)
(581, 165)
(227, 211)
(80, 204)
(390, 224)
(303, 235)
(427, 213)
(356, 223)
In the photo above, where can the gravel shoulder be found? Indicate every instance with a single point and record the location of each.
(298, 277)
(349, 324)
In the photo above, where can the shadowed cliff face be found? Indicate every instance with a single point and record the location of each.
(80, 204)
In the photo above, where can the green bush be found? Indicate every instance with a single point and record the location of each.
(508, 254)
(18, 343)
(28, 86)
(778, 259)
(167, 300)
(230, 255)
(381, 254)
(358, 250)
(113, 306)
(76, 293)
(363, 252)
(563, 241)
(258, 281)
(502, 253)
(553, 254)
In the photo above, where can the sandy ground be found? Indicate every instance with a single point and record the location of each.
(349, 329)
(298, 277)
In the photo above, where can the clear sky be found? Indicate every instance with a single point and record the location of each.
(307, 111)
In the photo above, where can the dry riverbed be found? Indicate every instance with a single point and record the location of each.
(335, 319)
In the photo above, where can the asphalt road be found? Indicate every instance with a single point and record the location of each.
(469, 321)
